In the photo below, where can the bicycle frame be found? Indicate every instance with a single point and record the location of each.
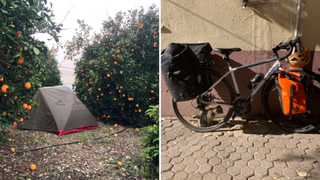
(274, 67)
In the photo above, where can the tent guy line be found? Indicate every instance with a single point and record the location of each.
(75, 142)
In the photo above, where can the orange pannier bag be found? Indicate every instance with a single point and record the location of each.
(291, 93)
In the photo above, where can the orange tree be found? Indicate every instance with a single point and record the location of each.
(23, 59)
(117, 74)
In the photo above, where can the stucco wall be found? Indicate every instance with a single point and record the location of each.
(255, 29)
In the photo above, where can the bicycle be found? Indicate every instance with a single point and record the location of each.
(215, 106)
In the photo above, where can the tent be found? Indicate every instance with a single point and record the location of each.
(59, 111)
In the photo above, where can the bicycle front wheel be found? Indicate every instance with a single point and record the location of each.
(203, 117)
(299, 123)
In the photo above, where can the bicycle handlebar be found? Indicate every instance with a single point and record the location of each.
(288, 46)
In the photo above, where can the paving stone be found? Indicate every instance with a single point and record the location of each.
(247, 172)
(253, 163)
(210, 176)
(167, 175)
(241, 163)
(261, 171)
(195, 176)
(242, 149)
(247, 156)
(264, 150)
(207, 148)
(234, 170)
(287, 172)
(239, 177)
(164, 148)
(186, 154)
(189, 160)
(192, 168)
(205, 168)
(247, 144)
(184, 148)
(219, 148)
(201, 160)
(210, 154)
(253, 150)
(254, 178)
(222, 138)
(215, 161)
(298, 152)
(232, 139)
(294, 164)
(267, 164)
(230, 149)
(268, 178)
(235, 156)
(182, 143)
(237, 143)
(166, 167)
(269, 145)
(258, 144)
(275, 172)
(193, 142)
(178, 167)
(307, 166)
(226, 143)
(180, 175)
(198, 154)
(224, 176)
(165, 153)
(165, 160)
(253, 139)
(176, 160)
(280, 164)
(219, 169)
(303, 146)
(215, 143)
(223, 154)
(202, 143)
(195, 148)
(174, 154)
(259, 156)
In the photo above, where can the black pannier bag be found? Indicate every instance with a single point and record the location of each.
(181, 70)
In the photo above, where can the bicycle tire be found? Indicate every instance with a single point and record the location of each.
(223, 93)
(300, 123)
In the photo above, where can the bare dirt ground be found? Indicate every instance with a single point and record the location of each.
(90, 159)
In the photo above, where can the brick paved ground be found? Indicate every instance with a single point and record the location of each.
(259, 150)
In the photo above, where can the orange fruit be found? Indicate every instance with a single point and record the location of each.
(115, 135)
(105, 62)
(152, 91)
(108, 116)
(16, 78)
(108, 75)
(139, 110)
(101, 94)
(21, 120)
(20, 61)
(90, 145)
(137, 105)
(32, 167)
(4, 88)
(115, 62)
(88, 89)
(17, 33)
(27, 85)
(123, 95)
(114, 99)
(14, 124)
(99, 89)
(15, 98)
(12, 149)
(110, 129)
(29, 107)
(119, 163)
(110, 39)
(1, 79)
(25, 106)
(115, 125)
(137, 129)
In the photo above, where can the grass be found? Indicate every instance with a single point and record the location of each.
(45, 140)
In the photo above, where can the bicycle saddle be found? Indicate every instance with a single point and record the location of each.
(226, 51)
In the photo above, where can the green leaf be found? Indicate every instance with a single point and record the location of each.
(3, 2)
(40, 175)
(4, 11)
(36, 50)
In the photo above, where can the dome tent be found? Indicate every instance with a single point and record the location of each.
(59, 111)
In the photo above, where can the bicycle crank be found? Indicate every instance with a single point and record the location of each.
(239, 110)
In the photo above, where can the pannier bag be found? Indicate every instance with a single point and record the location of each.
(181, 70)
(291, 93)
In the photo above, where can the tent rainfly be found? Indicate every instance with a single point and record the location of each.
(59, 111)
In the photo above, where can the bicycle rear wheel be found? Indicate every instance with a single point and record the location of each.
(300, 123)
(189, 113)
